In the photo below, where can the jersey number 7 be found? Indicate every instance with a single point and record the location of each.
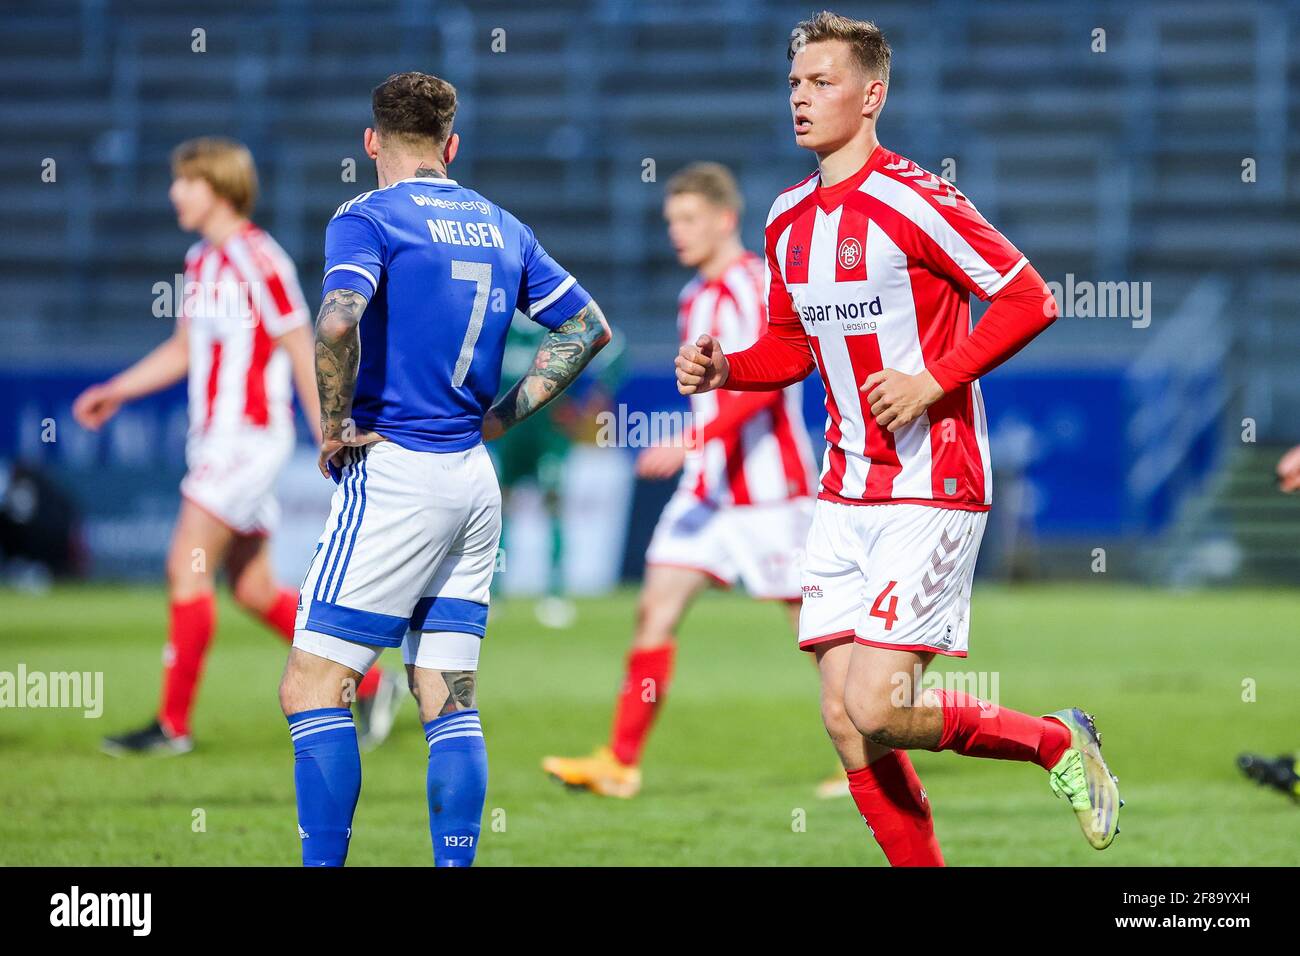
(480, 273)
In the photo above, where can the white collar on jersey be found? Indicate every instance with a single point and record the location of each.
(439, 180)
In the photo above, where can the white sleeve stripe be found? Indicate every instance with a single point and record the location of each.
(1015, 271)
(913, 207)
(782, 242)
(543, 304)
(357, 269)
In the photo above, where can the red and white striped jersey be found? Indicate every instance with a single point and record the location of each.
(238, 299)
(879, 270)
(768, 457)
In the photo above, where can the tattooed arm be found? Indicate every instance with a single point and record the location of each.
(562, 355)
(338, 354)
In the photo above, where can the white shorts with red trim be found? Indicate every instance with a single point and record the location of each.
(759, 545)
(232, 476)
(891, 575)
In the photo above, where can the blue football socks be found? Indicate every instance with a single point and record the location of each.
(327, 777)
(456, 785)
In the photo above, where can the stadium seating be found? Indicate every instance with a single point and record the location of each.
(1117, 165)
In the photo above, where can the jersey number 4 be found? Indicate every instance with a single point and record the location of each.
(479, 273)
(889, 612)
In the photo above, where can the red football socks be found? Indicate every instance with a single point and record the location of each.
(192, 623)
(977, 728)
(644, 687)
(283, 612)
(890, 798)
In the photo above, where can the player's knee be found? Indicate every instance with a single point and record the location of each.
(869, 716)
(186, 574)
(290, 698)
(310, 683)
(254, 596)
(835, 718)
(654, 625)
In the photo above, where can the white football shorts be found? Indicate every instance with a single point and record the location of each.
(891, 575)
(406, 559)
(232, 476)
(759, 545)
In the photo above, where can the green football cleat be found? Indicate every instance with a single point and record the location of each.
(1082, 777)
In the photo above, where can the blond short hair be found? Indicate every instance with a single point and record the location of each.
(866, 41)
(224, 164)
(713, 181)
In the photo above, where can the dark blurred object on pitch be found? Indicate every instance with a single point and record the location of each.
(40, 527)
(1280, 773)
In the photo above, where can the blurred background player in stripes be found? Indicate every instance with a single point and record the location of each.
(535, 467)
(243, 338)
(742, 505)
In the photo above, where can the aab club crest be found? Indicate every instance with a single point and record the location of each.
(850, 253)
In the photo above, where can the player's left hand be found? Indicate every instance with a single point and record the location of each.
(331, 448)
(898, 399)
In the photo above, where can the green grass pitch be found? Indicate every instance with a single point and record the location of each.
(730, 771)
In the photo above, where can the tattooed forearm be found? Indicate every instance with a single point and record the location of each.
(460, 691)
(338, 352)
(561, 356)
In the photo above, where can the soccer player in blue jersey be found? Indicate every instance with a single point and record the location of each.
(422, 279)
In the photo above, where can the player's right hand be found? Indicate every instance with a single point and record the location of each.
(701, 367)
(1288, 471)
(95, 406)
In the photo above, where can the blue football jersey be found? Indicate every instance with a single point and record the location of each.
(444, 270)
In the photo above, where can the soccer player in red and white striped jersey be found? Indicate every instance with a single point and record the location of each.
(871, 262)
(243, 337)
(755, 447)
(743, 502)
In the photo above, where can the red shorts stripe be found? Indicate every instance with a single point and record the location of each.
(918, 648)
(839, 637)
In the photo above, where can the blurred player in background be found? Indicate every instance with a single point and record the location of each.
(871, 262)
(243, 338)
(742, 506)
(536, 457)
(422, 279)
